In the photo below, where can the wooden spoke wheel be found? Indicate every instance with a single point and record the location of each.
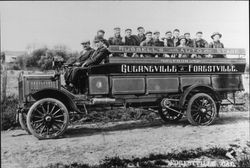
(169, 115)
(22, 117)
(47, 118)
(201, 109)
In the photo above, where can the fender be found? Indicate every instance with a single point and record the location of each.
(201, 87)
(64, 96)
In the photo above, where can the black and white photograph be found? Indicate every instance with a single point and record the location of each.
(124, 84)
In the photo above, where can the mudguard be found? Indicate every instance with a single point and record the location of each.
(62, 95)
(202, 88)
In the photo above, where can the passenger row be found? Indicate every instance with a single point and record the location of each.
(153, 39)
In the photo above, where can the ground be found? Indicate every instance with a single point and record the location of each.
(90, 143)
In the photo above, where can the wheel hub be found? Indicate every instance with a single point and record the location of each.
(203, 110)
(48, 118)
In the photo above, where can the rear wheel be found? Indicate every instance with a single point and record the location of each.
(201, 109)
(22, 117)
(47, 118)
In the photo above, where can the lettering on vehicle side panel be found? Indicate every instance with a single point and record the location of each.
(154, 49)
(176, 68)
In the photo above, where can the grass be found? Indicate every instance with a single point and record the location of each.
(157, 160)
(240, 97)
(244, 161)
(8, 111)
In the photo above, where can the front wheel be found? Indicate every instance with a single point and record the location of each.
(201, 109)
(47, 118)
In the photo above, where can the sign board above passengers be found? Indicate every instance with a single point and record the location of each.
(175, 50)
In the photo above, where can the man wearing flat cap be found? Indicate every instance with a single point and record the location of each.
(216, 36)
(147, 42)
(156, 39)
(130, 40)
(116, 40)
(98, 56)
(101, 33)
(199, 42)
(141, 36)
(175, 38)
(84, 55)
(100, 53)
(168, 41)
(157, 42)
(189, 41)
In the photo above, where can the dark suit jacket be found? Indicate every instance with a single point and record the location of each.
(200, 43)
(158, 43)
(115, 40)
(84, 56)
(170, 43)
(190, 43)
(141, 38)
(132, 41)
(98, 56)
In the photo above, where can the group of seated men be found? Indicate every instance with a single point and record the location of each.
(171, 39)
(90, 56)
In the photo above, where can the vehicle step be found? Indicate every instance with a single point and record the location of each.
(236, 104)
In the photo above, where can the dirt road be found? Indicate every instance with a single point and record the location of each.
(91, 143)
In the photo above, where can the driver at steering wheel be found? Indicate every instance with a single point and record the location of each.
(84, 55)
(78, 74)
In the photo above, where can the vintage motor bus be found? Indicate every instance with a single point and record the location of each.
(174, 87)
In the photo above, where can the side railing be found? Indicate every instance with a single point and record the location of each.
(177, 50)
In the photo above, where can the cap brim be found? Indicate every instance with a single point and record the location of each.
(216, 34)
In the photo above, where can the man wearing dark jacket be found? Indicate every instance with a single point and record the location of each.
(80, 74)
(141, 36)
(84, 55)
(157, 42)
(147, 42)
(116, 40)
(175, 38)
(217, 44)
(168, 41)
(100, 54)
(189, 41)
(156, 39)
(199, 42)
(130, 40)
(101, 33)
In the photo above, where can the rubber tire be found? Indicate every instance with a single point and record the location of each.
(166, 119)
(22, 122)
(189, 116)
(34, 106)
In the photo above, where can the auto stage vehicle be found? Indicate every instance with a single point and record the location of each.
(173, 87)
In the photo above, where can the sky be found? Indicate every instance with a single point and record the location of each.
(68, 23)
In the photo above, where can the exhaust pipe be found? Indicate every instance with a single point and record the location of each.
(102, 101)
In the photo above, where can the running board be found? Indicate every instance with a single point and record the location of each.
(229, 102)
